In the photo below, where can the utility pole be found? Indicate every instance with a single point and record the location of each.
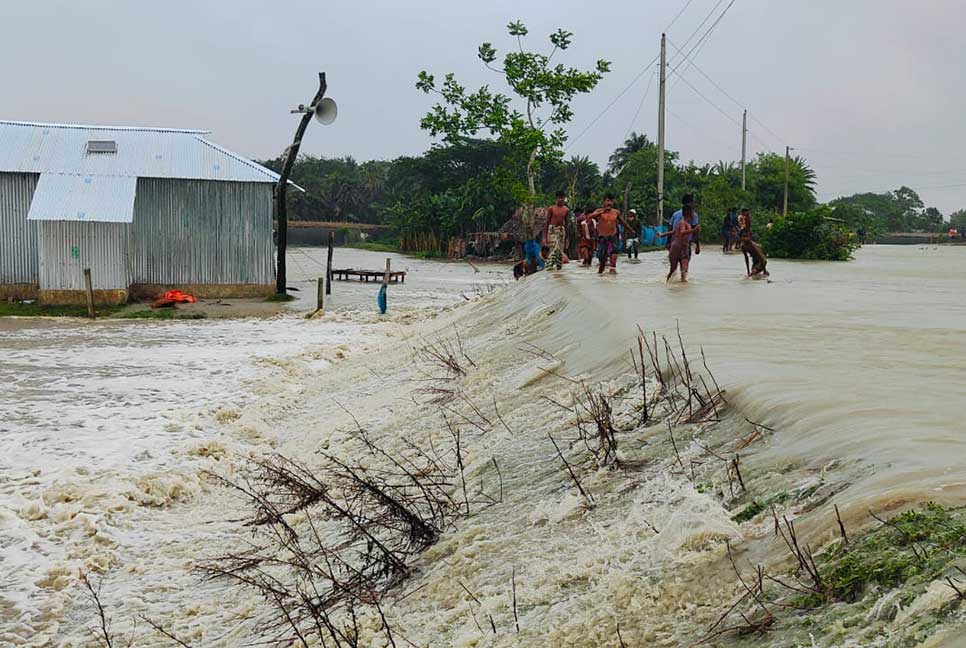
(744, 146)
(785, 208)
(291, 153)
(660, 133)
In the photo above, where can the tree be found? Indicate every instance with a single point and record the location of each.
(632, 144)
(533, 134)
(901, 210)
(766, 181)
(958, 219)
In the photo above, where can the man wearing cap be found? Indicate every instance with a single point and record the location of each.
(633, 242)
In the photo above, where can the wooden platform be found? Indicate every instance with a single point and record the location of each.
(344, 274)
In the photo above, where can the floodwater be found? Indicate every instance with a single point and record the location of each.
(109, 431)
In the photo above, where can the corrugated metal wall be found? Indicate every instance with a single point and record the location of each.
(202, 232)
(67, 247)
(18, 237)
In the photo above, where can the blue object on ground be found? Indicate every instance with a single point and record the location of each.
(531, 250)
(381, 300)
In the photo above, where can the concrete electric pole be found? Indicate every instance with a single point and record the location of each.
(744, 146)
(787, 155)
(660, 133)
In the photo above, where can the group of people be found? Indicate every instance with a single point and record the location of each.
(602, 233)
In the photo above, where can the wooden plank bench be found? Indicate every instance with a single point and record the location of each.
(344, 274)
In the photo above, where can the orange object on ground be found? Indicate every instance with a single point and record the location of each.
(179, 297)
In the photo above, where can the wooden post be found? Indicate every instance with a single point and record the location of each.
(328, 266)
(321, 299)
(385, 277)
(89, 288)
(291, 153)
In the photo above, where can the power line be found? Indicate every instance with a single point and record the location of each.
(726, 94)
(713, 104)
(641, 104)
(706, 19)
(611, 104)
(700, 131)
(706, 34)
(770, 131)
(683, 9)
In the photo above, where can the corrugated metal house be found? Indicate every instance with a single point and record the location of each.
(146, 209)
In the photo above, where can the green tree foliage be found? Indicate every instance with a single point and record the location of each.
(958, 219)
(815, 234)
(621, 154)
(766, 181)
(528, 124)
(901, 210)
(336, 189)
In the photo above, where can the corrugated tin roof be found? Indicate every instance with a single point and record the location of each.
(27, 147)
(63, 197)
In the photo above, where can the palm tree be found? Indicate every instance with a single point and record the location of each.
(583, 178)
(632, 144)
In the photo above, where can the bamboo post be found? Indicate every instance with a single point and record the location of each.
(89, 289)
(328, 266)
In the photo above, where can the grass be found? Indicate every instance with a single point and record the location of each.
(913, 545)
(279, 297)
(23, 309)
(120, 311)
(162, 314)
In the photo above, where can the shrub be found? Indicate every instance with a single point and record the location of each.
(813, 235)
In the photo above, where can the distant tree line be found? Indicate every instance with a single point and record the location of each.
(473, 186)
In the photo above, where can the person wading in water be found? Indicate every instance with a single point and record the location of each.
(555, 231)
(631, 241)
(587, 231)
(680, 250)
(607, 219)
(758, 268)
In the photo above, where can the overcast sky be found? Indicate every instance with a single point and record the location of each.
(872, 92)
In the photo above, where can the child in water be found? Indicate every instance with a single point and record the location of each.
(680, 251)
(752, 251)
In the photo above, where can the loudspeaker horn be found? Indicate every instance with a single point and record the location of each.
(326, 111)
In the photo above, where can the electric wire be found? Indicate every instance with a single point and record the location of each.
(641, 104)
(611, 104)
(683, 9)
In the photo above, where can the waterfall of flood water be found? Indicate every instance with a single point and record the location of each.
(107, 432)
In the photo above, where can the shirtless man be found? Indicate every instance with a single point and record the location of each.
(758, 268)
(679, 253)
(555, 231)
(607, 219)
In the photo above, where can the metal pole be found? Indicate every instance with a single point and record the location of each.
(291, 154)
(744, 144)
(660, 133)
(328, 266)
(785, 207)
(89, 289)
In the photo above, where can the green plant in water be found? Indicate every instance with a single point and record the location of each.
(757, 506)
(913, 548)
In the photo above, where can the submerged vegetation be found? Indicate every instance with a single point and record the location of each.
(815, 235)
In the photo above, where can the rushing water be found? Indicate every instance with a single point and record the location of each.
(107, 431)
